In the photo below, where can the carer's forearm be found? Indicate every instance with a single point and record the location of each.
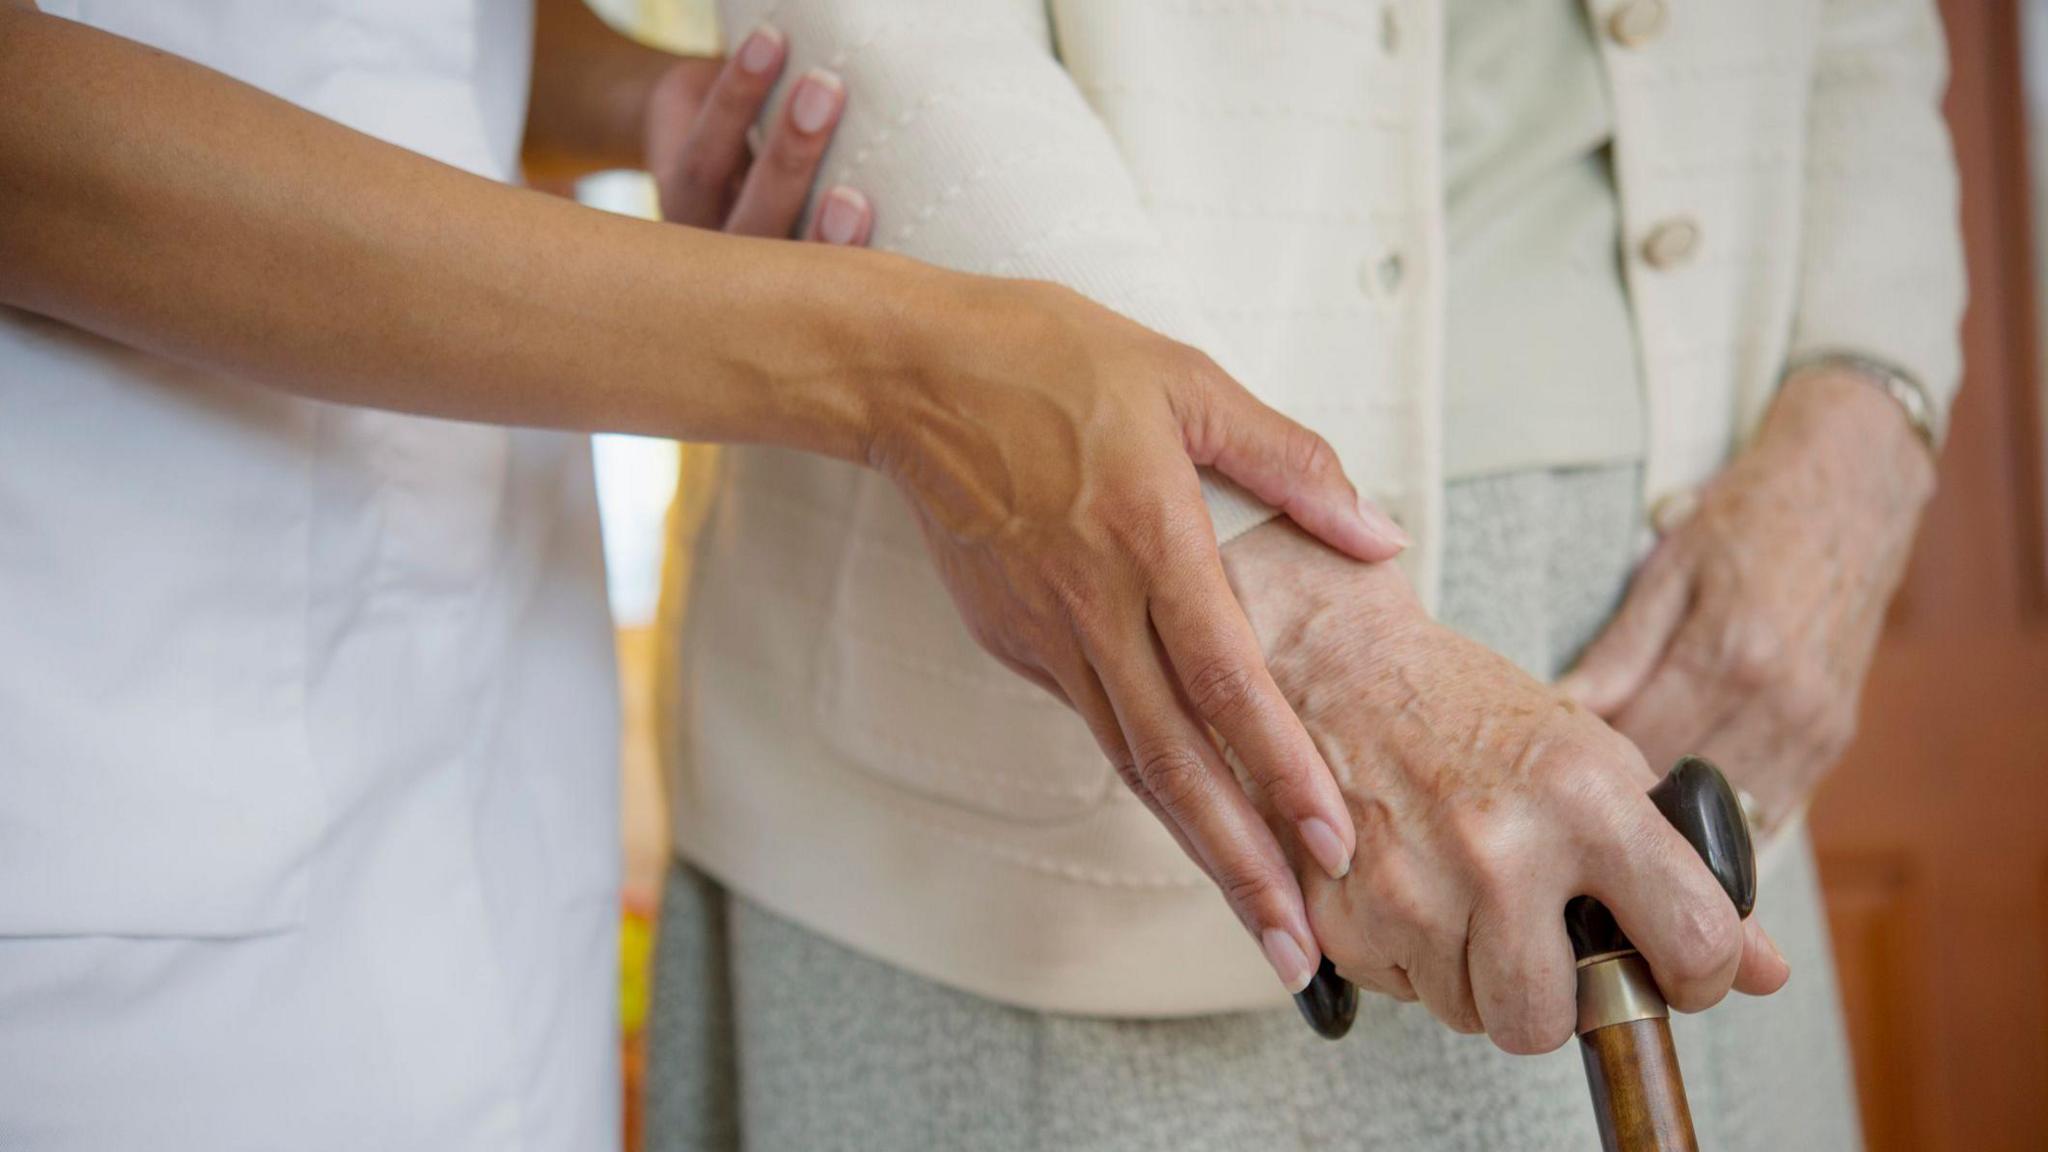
(165, 206)
(590, 92)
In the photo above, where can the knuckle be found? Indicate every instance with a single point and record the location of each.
(1221, 691)
(1194, 366)
(791, 159)
(1175, 776)
(1191, 385)
(737, 97)
(1079, 598)
(1486, 856)
(699, 172)
(1498, 875)
(1246, 888)
(1127, 771)
(1707, 943)
(1397, 900)
(1753, 652)
(1607, 798)
(1309, 457)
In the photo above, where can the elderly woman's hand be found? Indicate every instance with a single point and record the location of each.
(1746, 634)
(1049, 448)
(1484, 800)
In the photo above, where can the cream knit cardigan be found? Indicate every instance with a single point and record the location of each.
(1258, 178)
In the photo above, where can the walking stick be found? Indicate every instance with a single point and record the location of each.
(1624, 1025)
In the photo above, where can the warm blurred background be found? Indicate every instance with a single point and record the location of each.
(1933, 836)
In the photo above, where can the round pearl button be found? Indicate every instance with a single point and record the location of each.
(1672, 509)
(1638, 22)
(1671, 243)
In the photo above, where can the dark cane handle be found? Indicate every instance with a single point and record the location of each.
(1697, 800)
(1624, 1025)
(1701, 804)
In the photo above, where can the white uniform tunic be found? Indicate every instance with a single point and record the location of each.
(307, 724)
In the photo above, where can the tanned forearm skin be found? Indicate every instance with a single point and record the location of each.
(166, 206)
(1049, 446)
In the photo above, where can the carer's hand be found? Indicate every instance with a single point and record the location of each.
(697, 121)
(1484, 801)
(1049, 448)
(1746, 634)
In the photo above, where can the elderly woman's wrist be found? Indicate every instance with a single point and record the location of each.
(1856, 428)
(1292, 586)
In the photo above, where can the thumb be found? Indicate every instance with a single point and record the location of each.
(1619, 661)
(1289, 467)
(1763, 969)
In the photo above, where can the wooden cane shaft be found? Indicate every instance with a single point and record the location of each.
(1638, 1097)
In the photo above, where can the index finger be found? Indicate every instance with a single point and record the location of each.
(1171, 764)
(1685, 698)
(780, 179)
(1223, 673)
(1670, 905)
(1622, 658)
(699, 174)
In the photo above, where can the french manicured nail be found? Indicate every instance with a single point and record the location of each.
(840, 217)
(1287, 959)
(1324, 844)
(1382, 525)
(758, 54)
(816, 99)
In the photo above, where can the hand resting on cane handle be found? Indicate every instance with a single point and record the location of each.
(1484, 802)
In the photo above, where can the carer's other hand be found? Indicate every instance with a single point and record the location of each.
(1050, 448)
(1746, 634)
(1484, 801)
(698, 116)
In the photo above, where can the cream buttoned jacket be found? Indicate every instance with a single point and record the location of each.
(1259, 178)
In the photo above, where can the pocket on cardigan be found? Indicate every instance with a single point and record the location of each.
(903, 690)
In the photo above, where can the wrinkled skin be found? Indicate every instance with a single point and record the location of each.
(1054, 478)
(1746, 635)
(1050, 457)
(1484, 801)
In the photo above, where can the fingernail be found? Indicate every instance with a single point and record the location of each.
(839, 219)
(817, 97)
(1380, 524)
(1326, 846)
(1287, 959)
(757, 55)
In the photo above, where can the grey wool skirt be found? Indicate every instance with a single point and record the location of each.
(768, 1037)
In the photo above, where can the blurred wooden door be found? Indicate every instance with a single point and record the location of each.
(1933, 835)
